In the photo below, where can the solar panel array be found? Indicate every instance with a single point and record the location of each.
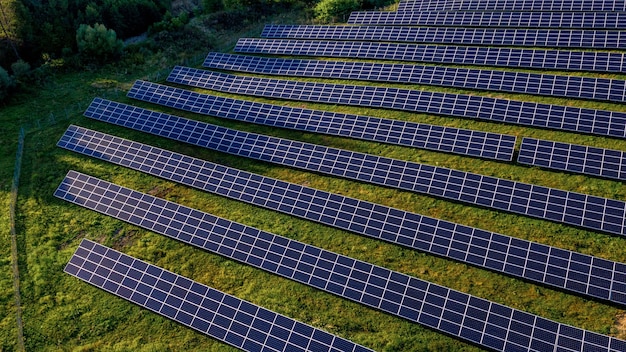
(561, 38)
(203, 308)
(571, 271)
(514, 5)
(600, 122)
(573, 20)
(595, 213)
(573, 158)
(468, 317)
(476, 320)
(507, 81)
(506, 57)
(439, 138)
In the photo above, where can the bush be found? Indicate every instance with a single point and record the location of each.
(335, 10)
(170, 23)
(21, 70)
(98, 43)
(6, 84)
(375, 4)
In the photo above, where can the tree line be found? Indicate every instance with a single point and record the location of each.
(34, 32)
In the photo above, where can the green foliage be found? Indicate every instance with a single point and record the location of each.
(170, 23)
(98, 43)
(6, 84)
(20, 68)
(49, 26)
(231, 14)
(375, 4)
(335, 10)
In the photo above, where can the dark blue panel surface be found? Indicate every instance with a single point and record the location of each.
(513, 5)
(601, 122)
(573, 158)
(591, 276)
(439, 54)
(506, 81)
(418, 135)
(573, 20)
(436, 309)
(492, 192)
(551, 38)
(219, 315)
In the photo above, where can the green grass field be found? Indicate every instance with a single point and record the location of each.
(63, 314)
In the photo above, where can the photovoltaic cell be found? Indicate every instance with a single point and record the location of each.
(596, 213)
(563, 20)
(442, 54)
(222, 316)
(514, 5)
(573, 158)
(506, 81)
(439, 138)
(600, 122)
(570, 271)
(551, 38)
(467, 317)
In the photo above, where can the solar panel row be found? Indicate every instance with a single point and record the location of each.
(600, 122)
(514, 5)
(506, 81)
(563, 20)
(468, 317)
(573, 158)
(203, 308)
(571, 271)
(595, 213)
(483, 56)
(551, 38)
(439, 138)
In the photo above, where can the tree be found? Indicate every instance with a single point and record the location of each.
(98, 43)
(4, 26)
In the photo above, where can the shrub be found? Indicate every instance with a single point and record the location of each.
(170, 23)
(6, 84)
(98, 43)
(375, 4)
(335, 10)
(21, 70)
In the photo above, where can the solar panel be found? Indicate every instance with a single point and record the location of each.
(464, 316)
(506, 81)
(573, 158)
(570, 271)
(224, 317)
(551, 38)
(446, 139)
(563, 20)
(515, 5)
(600, 122)
(582, 210)
(441, 54)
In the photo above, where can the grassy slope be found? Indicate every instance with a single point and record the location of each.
(61, 313)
